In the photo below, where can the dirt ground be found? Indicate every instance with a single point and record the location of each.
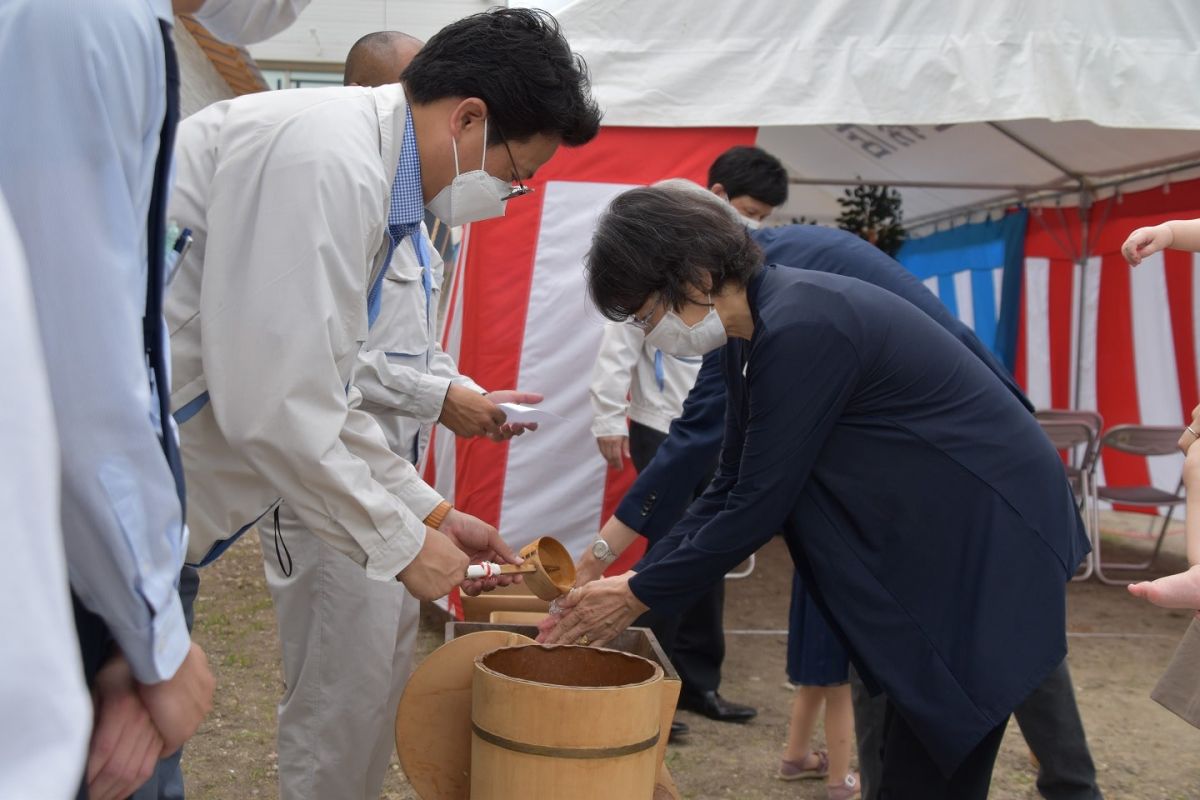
(1118, 648)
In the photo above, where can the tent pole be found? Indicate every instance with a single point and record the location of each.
(1040, 197)
(1086, 200)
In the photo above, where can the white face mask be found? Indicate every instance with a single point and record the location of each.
(674, 337)
(248, 21)
(751, 224)
(471, 196)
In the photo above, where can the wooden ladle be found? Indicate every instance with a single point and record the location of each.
(548, 566)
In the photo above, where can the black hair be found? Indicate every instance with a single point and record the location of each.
(518, 62)
(371, 49)
(751, 171)
(663, 240)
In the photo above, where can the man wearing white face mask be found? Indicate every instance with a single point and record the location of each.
(656, 384)
(352, 639)
(300, 201)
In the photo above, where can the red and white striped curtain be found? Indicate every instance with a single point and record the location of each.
(520, 317)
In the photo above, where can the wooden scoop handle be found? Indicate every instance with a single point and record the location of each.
(490, 569)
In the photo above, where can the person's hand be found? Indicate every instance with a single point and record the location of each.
(467, 413)
(614, 449)
(1174, 591)
(593, 614)
(125, 745)
(1145, 242)
(437, 569)
(1187, 438)
(481, 542)
(511, 429)
(179, 704)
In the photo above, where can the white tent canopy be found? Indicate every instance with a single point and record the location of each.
(961, 103)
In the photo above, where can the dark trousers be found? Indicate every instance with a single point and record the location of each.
(95, 647)
(869, 715)
(910, 773)
(694, 640)
(1049, 720)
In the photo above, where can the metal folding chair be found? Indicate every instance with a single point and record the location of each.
(1080, 441)
(742, 573)
(1147, 441)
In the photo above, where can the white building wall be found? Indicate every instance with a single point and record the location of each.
(327, 28)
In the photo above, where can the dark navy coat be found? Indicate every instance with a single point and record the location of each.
(664, 489)
(930, 517)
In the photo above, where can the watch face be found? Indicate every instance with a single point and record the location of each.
(600, 548)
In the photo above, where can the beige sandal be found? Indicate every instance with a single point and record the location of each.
(796, 771)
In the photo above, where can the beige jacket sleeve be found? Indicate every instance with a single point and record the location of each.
(620, 348)
(283, 313)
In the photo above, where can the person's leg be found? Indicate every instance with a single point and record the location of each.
(338, 632)
(839, 732)
(869, 713)
(1050, 722)
(700, 642)
(167, 781)
(910, 772)
(644, 442)
(806, 707)
(402, 664)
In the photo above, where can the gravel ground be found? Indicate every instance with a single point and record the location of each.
(1119, 647)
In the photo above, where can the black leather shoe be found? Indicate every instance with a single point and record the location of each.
(678, 731)
(713, 706)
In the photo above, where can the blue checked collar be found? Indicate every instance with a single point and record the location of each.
(407, 208)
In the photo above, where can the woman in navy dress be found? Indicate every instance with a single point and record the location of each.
(928, 514)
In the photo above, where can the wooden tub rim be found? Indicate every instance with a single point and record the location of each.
(656, 672)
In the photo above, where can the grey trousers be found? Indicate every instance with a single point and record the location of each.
(1049, 720)
(347, 644)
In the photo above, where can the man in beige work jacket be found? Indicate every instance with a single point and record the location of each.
(299, 201)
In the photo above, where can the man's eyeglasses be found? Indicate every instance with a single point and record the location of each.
(520, 188)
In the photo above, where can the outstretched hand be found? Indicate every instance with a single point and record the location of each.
(1145, 242)
(1174, 591)
(594, 614)
(510, 429)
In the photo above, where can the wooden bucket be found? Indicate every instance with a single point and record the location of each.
(564, 721)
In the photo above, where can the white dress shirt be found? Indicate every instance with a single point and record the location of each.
(288, 195)
(631, 378)
(47, 713)
(83, 95)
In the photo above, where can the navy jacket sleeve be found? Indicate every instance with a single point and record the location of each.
(663, 490)
(775, 449)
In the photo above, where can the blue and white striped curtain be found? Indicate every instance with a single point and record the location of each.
(976, 271)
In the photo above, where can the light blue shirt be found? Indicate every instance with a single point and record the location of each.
(82, 98)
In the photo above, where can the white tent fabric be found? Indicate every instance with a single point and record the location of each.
(960, 103)
(890, 62)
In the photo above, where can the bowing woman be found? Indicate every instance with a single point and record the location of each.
(929, 516)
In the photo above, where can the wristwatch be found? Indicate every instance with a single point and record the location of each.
(602, 552)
